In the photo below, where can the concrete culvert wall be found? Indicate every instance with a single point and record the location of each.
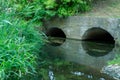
(88, 28)
(56, 36)
(98, 35)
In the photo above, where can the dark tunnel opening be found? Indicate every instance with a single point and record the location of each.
(97, 42)
(98, 35)
(56, 36)
(55, 32)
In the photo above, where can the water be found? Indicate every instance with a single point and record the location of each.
(79, 60)
(75, 71)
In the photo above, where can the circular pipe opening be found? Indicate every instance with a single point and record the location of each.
(56, 36)
(98, 35)
(97, 42)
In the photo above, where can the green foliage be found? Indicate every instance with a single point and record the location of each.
(46, 9)
(115, 61)
(70, 7)
(37, 10)
(19, 43)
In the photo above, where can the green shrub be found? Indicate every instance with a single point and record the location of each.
(70, 7)
(46, 9)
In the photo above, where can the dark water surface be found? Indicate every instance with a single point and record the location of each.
(78, 60)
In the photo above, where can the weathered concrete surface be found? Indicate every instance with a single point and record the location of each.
(76, 26)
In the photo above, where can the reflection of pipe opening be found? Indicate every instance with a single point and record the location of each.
(98, 35)
(95, 42)
(97, 49)
(56, 36)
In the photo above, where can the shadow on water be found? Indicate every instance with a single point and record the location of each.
(84, 59)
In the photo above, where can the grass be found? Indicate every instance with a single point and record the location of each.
(19, 46)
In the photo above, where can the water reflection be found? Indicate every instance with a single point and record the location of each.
(51, 75)
(97, 49)
(54, 41)
(74, 71)
(91, 54)
(94, 56)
